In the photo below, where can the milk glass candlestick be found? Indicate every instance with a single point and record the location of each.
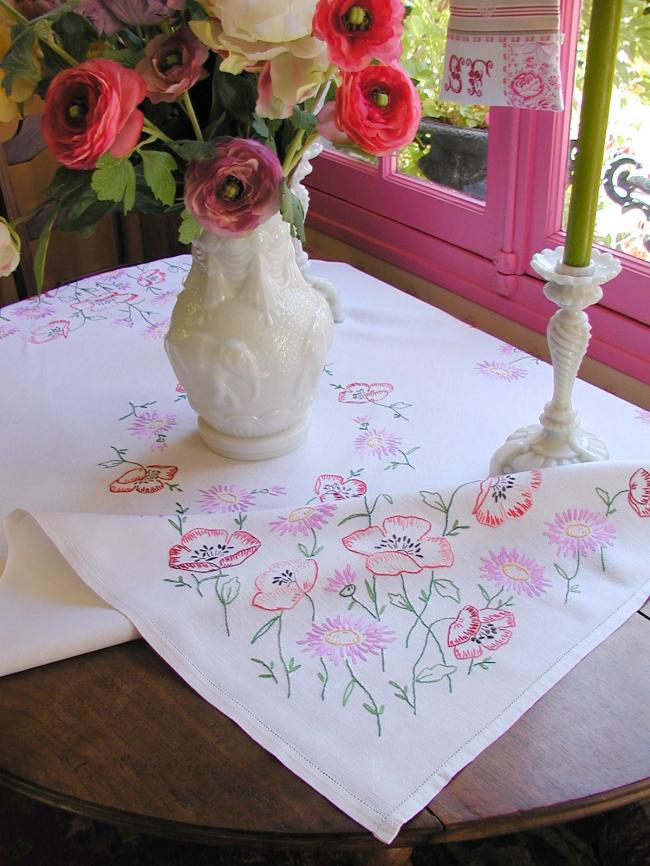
(574, 273)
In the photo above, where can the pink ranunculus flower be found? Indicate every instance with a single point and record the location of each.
(172, 64)
(33, 8)
(109, 16)
(359, 31)
(90, 110)
(639, 493)
(476, 630)
(235, 191)
(378, 108)
(401, 545)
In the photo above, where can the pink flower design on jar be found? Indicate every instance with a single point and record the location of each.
(206, 550)
(363, 392)
(639, 493)
(474, 631)
(505, 496)
(282, 585)
(400, 545)
(336, 487)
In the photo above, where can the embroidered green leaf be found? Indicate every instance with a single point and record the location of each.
(303, 549)
(433, 500)
(292, 666)
(159, 174)
(435, 673)
(561, 571)
(372, 593)
(228, 591)
(347, 694)
(351, 517)
(446, 588)
(266, 627)
(189, 229)
(484, 593)
(268, 670)
(398, 600)
(372, 710)
(402, 691)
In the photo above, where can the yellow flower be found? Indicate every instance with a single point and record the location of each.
(9, 248)
(22, 89)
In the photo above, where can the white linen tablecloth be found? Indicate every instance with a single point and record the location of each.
(370, 607)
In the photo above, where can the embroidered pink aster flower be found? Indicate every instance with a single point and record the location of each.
(377, 443)
(336, 487)
(476, 630)
(226, 497)
(342, 638)
(362, 392)
(400, 545)
(165, 297)
(577, 531)
(500, 371)
(33, 310)
(143, 479)
(341, 579)
(55, 330)
(302, 520)
(505, 496)
(8, 331)
(100, 303)
(639, 494)
(284, 584)
(516, 572)
(507, 349)
(643, 415)
(208, 550)
(277, 490)
(154, 426)
(361, 420)
(157, 330)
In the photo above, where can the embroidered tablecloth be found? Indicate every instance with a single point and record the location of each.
(372, 609)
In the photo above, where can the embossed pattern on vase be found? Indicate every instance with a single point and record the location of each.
(248, 335)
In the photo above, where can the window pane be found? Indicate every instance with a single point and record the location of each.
(451, 147)
(624, 201)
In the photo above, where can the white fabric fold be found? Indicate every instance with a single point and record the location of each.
(375, 648)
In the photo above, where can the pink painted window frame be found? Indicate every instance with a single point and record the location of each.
(482, 251)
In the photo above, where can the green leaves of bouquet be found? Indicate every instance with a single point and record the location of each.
(196, 108)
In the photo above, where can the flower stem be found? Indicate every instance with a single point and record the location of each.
(293, 148)
(189, 110)
(16, 14)
(151, 129)
(376, 712)
(284, 664)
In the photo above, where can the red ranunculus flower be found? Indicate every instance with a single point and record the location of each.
(359, 31)
(173, 63)
(236, 190)
(378, 108)
(90, 110)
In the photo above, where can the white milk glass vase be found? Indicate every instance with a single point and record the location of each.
(247, 340)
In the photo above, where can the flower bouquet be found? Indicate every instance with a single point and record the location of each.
(204, 108)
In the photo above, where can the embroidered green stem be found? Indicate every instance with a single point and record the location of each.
(324, 678)
(287, 672)
(313, 606)
(371, 707)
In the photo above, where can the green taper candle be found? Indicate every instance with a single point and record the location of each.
(599, 77)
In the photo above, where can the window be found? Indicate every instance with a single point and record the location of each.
(478, 242)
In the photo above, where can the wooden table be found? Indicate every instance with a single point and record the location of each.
(116, 735)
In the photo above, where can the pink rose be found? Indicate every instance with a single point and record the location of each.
(90, 110)
(378, 108)
(359, 31)
(109, 16)
(236, 190)
(172, 65)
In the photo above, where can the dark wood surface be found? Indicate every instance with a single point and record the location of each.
(117, 735)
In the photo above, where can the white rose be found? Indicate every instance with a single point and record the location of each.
(263, 20)
(9, 249)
